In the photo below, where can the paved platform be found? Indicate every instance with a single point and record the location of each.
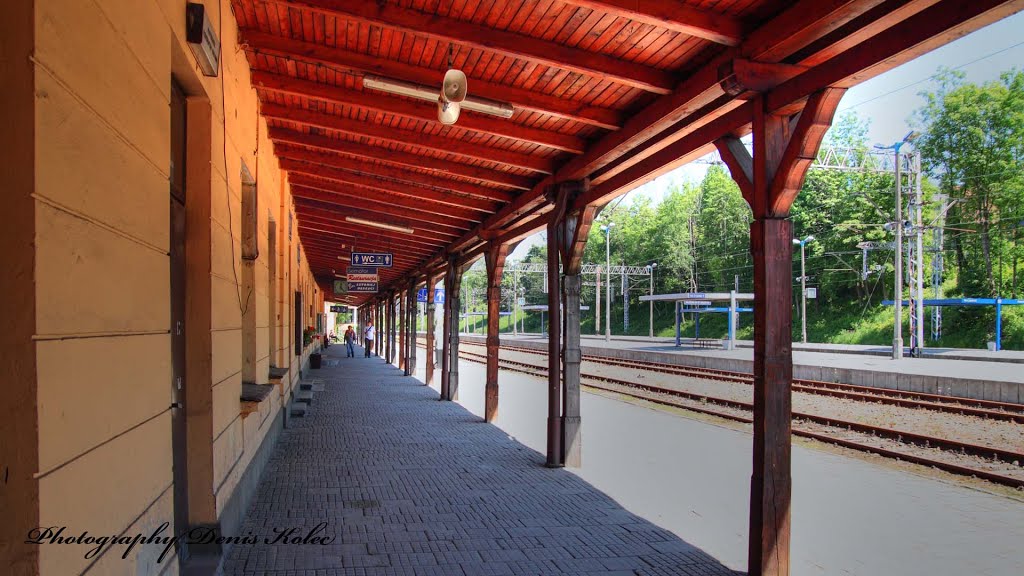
(851, 515)
(409, 485)
(1002, 381)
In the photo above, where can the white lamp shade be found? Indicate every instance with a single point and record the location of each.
(447, 112)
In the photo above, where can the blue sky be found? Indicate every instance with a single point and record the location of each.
(889, 100)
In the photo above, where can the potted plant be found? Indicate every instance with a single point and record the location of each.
(308, 335)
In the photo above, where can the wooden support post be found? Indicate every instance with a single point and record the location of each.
(446, 329)
(394, 306)
(379, 332)
(572, 238)
(401, 331)
(429, 379)
(784, 148)
(554, 447)
(411, 297)
(453, 366)
(571, 356)
(494, 257)
(387, 328)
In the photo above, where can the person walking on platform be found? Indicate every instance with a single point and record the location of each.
(350, 340)
(368, 337)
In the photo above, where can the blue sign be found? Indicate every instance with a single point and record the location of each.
(421, 295)
(361, 270)
(363, 287)
(376, 259)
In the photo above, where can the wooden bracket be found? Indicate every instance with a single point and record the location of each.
(739, 75)
(784, 148)
(740, 163)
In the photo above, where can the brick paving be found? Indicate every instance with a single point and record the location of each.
(408, 485)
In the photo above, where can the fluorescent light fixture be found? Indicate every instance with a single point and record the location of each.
(379, 225)
(341, 275)
(474, 103)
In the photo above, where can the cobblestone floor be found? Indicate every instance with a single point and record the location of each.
(408, 485)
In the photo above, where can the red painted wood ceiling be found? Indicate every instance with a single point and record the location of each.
(617, 91)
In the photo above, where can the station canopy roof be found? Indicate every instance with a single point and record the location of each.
(616, 91)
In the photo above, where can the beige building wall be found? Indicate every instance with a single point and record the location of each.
(100, 207)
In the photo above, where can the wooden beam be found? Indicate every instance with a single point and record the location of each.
(799, 25)
(495, 41)
(407, 159)
(681, 151)
(374, 176)
(713, 26)
(338, 58)
(342, 182)
(906, 40)
(386, 208)
(524, 229)
(859, 29)
(376, 101)
(740, 163)
(438, 142)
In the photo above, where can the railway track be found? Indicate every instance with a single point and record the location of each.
(1002, 411)
(872, 439)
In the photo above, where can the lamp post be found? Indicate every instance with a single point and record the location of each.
(803, 287)
(651, 322)
(897, 339)
(607, 229)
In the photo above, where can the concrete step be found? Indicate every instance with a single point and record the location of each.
(305, 385)
(297, 410)
(304, 397)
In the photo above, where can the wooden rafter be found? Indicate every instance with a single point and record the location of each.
(900, 43)
(333, 218)
(357, 211)
(493, 40)
(675, 16)
(464, 193)
(331, 193)
(336, 58)
(443, 142)
(364, 190)
(408, 159)
(350, 233)
(442, 202)
(378, 102)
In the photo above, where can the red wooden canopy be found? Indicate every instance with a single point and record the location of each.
(617, 91)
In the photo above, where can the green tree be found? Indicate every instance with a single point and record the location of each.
(973, 144)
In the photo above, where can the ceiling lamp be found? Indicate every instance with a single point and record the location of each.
(421, 92)
(355, 220)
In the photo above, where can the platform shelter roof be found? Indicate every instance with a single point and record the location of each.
(615, 92)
